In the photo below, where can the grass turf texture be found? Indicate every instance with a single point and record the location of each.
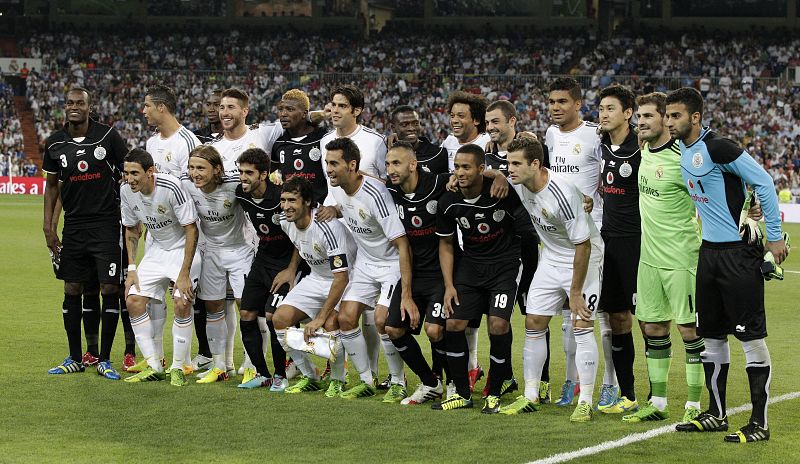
(80, 417)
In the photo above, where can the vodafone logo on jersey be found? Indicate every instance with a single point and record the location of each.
(298, 164)
(416, 221)
(610, 178)
(690, 184)
(83, 166)
(483, 228)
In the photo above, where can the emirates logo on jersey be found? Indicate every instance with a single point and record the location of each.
(83, 166)
(483, 228)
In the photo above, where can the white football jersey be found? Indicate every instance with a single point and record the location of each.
(222, 219)
(371, 145)
(164, 212)
(171, 155)
(558, 215)
(263, 137)
(371, 216)
(576, 154)
(451, 144)
(327, 247)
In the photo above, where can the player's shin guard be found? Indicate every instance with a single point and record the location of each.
(759, 374)
(300, 358)
(568, 342)
(356, 347)
(622, 352)
(71, 313)
(158, 319)
(609, 374)
(278, 353)
(217, 333)
(252, 341)
(409, 350)
(200, 316)
(716, 361)
(534, 355)
(458, 361)
(499, 361)
(586, 358)
(694, 370)
(393, 360)
(143, 330)
(110, 321)
(372, 338)
(91, 321)
(127, 330)
(181, 339)
(659, 359)
(472, 343)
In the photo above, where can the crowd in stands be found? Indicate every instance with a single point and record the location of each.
(736, 73)
(12, 153)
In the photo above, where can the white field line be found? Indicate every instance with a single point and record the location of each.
(642, 436)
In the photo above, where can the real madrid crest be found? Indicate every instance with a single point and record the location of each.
(659, 172)
(100, 153)
(226, 203)
(498, 215)
(625, 170)
(576, 150)
(697, 160)
(545, 214)
(362, 214)
(161, 209)
(318, 248)
(337, 261)
(168, 156)
(315, 154)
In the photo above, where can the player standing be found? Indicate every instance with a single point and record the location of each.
(214, 128)
(406, 128)
(467, 112)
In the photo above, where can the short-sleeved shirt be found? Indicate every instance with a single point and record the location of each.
(371, 145)
(88, 174)
(558, 215)
(164, 212)
(262, 136)
(670, 231)
(486, 224)
(327, 247)
(265, 215)
(417, 211)
(171, 154)
(621, 186)
(431, 158)
(451, 144)
(302, 156)
(222, 218)
(371, 216)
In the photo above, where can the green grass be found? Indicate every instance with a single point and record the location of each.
(82, 417)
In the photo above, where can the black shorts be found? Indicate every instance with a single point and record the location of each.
(730, 291)
(427, 294)
(92, 254)
(620, 266)
(486, 289)
(256, 295)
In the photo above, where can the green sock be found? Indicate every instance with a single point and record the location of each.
(695, 375)
(659, 358)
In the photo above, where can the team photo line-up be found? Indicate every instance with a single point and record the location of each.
(334, 243)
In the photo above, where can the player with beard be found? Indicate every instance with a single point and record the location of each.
(214, 128)
(406, 128)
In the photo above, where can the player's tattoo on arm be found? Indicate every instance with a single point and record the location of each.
(132, 235)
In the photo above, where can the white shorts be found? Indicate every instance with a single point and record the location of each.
(309, 295)
(223, 265)
(551, 284)
(372, 285)
(160, 267)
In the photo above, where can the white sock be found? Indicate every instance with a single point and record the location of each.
(337, 367)
(356, 347)
(393, 360)
(568, 341)
(586, 359)
(217, 333)
(231, 321)
(534, 354)
(372, 339)
(158, 317)
(609, 373)
(182, 331)
(265, 335)
(472, 343)
(143, 331)
(659, 402)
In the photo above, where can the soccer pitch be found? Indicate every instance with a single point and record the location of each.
(83, 417)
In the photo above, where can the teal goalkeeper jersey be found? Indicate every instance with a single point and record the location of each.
(670, 231)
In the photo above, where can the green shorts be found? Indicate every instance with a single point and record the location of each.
(665, 295)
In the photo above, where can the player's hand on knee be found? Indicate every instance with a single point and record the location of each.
(132, 280)
(285, 277)
(577, 304)
(183, 288)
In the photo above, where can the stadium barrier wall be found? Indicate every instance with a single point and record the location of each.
(22, 185)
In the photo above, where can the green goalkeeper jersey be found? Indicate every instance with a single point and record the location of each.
(670, 231)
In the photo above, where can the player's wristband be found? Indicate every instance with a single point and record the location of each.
(131, 267)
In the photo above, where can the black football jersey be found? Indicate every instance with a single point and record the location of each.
(265, 215)
(621, 187)
(431, 158)
(487, 225)
(418, 213)
(302, 157)
(205, 135)
(496, 160)
(88, 172)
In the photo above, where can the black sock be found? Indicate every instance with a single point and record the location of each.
(251, 339)
(622, 352)
(499, 361)
(409, 350)
(127, 330)
(546, 367)
(278, 353)
(439, 355)
(758, 378)
(72, 324)
(720, 386)
(458, 361)
(200, 328)
(91, 321)
(110, 320)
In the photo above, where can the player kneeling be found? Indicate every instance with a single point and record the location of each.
(329, 250)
